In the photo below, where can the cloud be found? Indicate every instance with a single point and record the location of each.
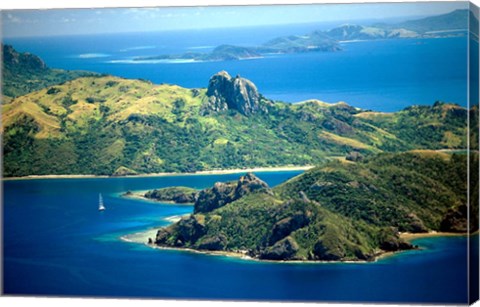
(170, 15)
(154, 13)
(67, 20)
(13, 19)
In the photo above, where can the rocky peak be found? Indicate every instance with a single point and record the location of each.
(227, 93)
(248, 184)
(222, 194)
(15, 59)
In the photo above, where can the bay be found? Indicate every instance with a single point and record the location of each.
(57, 243)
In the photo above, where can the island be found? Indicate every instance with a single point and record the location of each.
(377, 175)
(338, 211)
(446, 25)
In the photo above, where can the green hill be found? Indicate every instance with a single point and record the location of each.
(455, 20)
(100, 124)
(23, 73)
(336, 211)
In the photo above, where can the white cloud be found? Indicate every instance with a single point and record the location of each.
(13, 19)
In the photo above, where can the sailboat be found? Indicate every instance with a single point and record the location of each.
(101, 207)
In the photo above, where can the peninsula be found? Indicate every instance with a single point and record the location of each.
(338, 211)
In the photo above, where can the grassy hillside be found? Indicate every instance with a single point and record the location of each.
(95, 125)
(336, 211)
(108, 125)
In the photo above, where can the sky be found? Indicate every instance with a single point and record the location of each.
(25, 23)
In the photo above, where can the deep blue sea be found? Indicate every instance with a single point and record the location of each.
(56, 242)
(383, 75)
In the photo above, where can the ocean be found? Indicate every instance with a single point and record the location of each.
(382, 75)
(57, 243)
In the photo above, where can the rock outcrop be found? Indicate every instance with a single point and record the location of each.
(223, 193)
(179, 195)
(217, 196)
(391, 242)
(282, 250)
(19, 60)
(328, 252)
(287, 225)
(213, 243)
(124, 171)
(191, 231)
(227, 93)
(456, 220)
(186, 232)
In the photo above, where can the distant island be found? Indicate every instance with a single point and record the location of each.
(446, 25)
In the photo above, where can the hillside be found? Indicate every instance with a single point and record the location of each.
(312, 42)
(108, 125)
(23, 73)
(446, 25)
(336, 211)
(456, 20)
(220, 53)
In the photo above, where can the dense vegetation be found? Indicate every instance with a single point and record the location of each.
(108, 125)
(336, 211)
(23, 73)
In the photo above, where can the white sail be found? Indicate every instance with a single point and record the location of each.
(101, 207)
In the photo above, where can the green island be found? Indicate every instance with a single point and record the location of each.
(377, 175)
(338, 211)
(446, 25)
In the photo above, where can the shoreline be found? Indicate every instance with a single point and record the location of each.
(135, 238)
(142, 237)
(407, 236)
(165, 174)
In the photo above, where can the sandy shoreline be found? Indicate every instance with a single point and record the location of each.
(142, 238)
(412, 236)
(211, 172)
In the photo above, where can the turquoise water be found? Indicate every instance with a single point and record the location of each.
(57, 243)
(383, 75)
